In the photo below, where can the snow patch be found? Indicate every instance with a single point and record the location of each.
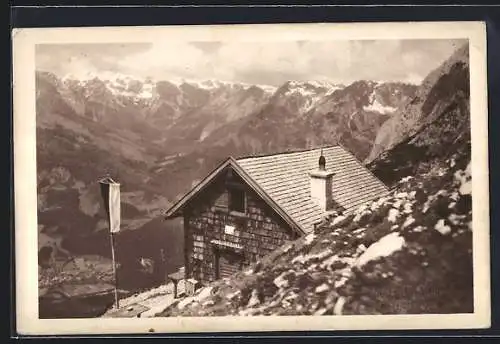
(343, 280)
(303, 259)
(204, 293)
(432, 198)
(183, 303)
(330, 261)
(254, 299)
(418, 229)
(361, 209)
(426, 207)
(407, 209)
(397, 204)
(267, 88)
(464, 178)
(374, 206)
(320, 311)
(442, 228)
(323, 84)
(361, 248)
(309, 238)
(233, 295)
(322, 288)
(280, 281)
(393, 215)
(456, 219)
(466, 188)
(409, 221)
(381, 201)
(359, 230)
(375, 106)
(333, 89)
(406, 179)
(339, 306)
(338, 219)
(386, 246)
(441, 193)
(454, 196)
(441, 172)
(360, 215)
(402, 195)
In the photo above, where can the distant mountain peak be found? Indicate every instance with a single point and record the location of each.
(308, 89)
(445, 87)
(214, 84)
(102, 75)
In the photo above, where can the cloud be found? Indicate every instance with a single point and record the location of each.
(259, 62)
(63, 59)
(165, 59)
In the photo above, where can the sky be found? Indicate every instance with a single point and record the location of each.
(268, 63)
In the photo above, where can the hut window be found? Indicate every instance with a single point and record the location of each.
(237, 200)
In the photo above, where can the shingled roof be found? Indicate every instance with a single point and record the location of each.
(285, 178)
(283, 181)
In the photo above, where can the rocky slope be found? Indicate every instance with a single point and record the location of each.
(444, 88)
(442, 126)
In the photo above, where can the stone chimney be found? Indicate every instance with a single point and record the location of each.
(321, 184)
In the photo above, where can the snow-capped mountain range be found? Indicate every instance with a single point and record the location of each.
(143, 88)
(124, 85)
(158, 137)
(190, 110)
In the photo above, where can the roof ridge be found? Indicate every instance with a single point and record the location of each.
(287, 152)
(248, 180)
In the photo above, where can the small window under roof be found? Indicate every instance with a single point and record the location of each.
(237, 200)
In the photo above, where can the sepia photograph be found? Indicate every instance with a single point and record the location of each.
(231, 177)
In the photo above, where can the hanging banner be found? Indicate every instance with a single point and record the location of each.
(110, 191)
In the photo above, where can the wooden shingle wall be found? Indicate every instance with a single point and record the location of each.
(256, 234)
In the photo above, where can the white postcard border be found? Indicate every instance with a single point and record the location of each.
(25, 178)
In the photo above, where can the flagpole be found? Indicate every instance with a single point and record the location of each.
(114, 222)
(114, 268)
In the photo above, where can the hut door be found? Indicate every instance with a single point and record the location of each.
(229, 262)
